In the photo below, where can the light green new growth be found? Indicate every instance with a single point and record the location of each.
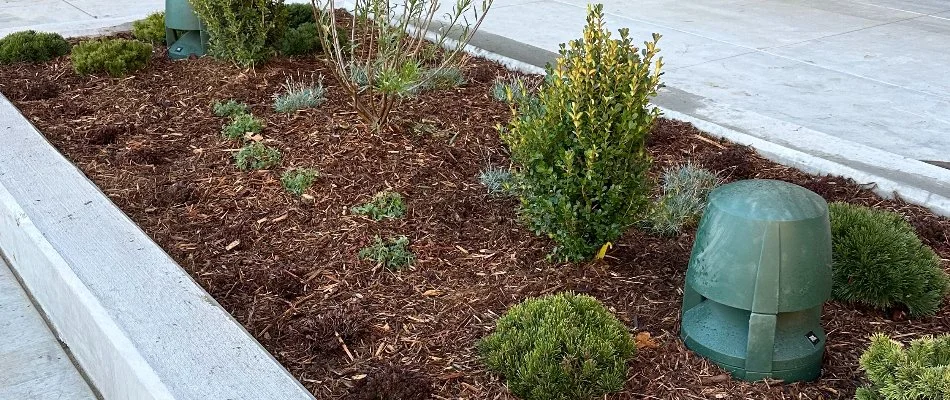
(920, 372)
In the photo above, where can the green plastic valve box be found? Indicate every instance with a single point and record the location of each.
(759, 273)
(185, 35)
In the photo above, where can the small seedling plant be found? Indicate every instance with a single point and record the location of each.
(255, 156)
(388, 47)
(496, 180)
(392, 253)
(231, 108)
(384, 205)
(297, 181)
(686, 189)
(242, 126)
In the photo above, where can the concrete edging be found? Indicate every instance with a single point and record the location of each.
(134, 321)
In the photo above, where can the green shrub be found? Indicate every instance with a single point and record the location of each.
(244, 32)
(879, 261)
(32, 46)
(393, 253)
(301, 40)
(116, 57)
(384, 205)
(230, 108)
(685, 191)
(151, 29)
(299, 14)
(919, 372)
(582, 147)
(562, 346)
(496, 179)
(242, 125)
(297, 181)
(257, 156)
(298, 96)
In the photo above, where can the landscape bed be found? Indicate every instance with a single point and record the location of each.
(288, 268)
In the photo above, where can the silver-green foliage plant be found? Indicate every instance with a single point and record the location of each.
(510, 89)
(878, 261)
(387, 44)
(297, 181)
(151, 29)
(582, 147)
(392, 253)
(919, 372)
(257, 156)
(384, 205)
(244, 32)
(445, 78)
(562, 346)
(298, 96)
(497, 180)
(686, 189)
(230, 108)
(241, 126)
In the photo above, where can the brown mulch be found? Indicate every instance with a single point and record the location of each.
(288, 269)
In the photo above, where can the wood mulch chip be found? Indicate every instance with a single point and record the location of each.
(288, 269)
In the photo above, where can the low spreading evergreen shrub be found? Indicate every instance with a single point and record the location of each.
(230, 108)
(301, 40)
(257, 156)
(562, 346)
(297, 181)
(241, 126)
(384, 205)
(392, 253)
(582, 148)
(32, 46)
(244, 32)
(116, 57)
(299, 14)
(879, 261)
(920, 372)
(151, 29)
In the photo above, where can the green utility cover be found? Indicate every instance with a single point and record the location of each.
(184, 33)
(759, 273)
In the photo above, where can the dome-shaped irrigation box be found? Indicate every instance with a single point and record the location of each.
(759, 273)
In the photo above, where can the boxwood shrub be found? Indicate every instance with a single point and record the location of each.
(562, 346)
(32, 46)
(879, 261)
(581, 146)
(897, 373)
(117, 57)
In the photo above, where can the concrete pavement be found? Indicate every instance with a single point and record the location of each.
(33, 365)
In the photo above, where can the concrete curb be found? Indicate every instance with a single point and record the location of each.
(135, 322)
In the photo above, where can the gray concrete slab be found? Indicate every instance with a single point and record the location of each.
(33, 365)
(916, 6)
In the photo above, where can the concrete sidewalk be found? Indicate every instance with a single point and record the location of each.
(33, 365)
(72, 17)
